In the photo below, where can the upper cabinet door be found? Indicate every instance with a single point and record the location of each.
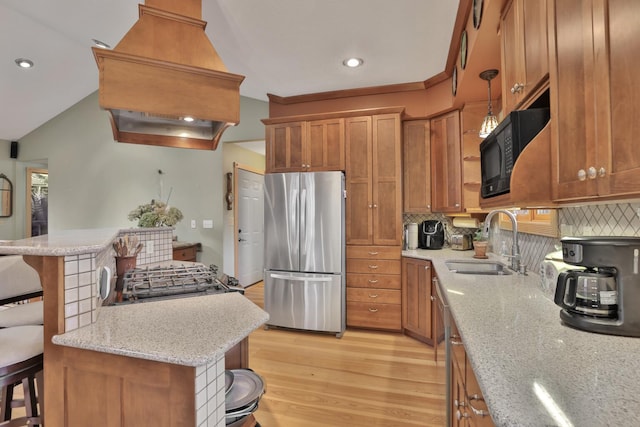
(525, 51)
(617, 94)
(284, 147)
(325, 145)
(594, 99)
(387, 180)
(446, 163)
(416, 166)
(359, 203)
(572, 100)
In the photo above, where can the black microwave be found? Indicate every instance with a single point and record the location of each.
(500, 150)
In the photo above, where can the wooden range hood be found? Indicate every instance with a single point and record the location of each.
(163, 70)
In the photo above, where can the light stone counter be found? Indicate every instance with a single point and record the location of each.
(62, 243)
(185, 331)
(532, 369)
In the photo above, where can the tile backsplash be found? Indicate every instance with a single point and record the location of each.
(611, 219)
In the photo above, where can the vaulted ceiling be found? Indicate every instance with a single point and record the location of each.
(283, 47)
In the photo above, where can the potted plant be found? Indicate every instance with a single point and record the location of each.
(480, 245)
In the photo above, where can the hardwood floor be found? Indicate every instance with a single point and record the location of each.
(364, 378)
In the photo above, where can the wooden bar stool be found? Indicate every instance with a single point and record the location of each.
(19, 282)
(21, 350)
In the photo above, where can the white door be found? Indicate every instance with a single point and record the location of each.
(249, 226)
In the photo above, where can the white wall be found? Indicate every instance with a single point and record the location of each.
(95, 182)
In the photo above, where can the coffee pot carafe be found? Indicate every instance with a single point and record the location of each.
(588, 292)
(605, 296)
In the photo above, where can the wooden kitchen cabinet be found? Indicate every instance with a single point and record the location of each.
(418, 301)
(373, 180)
(594, 99)
(186, 251)
(416, 166)
(446, 163)
(284, 147)
(305, 146)
(374, 298)
(468, 407)
(324, 150)
(525, 52)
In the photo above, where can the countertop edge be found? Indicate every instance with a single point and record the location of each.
(181, 343)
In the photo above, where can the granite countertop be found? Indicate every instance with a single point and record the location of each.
(532, 369)
(185, 331)
(64, 242)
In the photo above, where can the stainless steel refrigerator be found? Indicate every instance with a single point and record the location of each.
(304, 283)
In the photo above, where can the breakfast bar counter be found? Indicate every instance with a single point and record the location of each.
(158, 363)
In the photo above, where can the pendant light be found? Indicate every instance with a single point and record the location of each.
(490, 122)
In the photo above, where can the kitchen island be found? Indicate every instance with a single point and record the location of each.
(158, 362)
(532, 369)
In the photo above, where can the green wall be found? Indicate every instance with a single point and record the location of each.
(94, 182)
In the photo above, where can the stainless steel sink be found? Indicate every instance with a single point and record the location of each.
(493, 268)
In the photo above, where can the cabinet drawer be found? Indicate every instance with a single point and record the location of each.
(375, 316)
(374, 295)
(374, 252)
(371, 266)
(185, 254)
(363, 280)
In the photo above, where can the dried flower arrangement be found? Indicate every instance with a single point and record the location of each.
(155, 214)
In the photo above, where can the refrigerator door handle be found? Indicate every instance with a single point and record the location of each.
(300, 279)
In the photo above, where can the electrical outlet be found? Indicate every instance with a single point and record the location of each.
(150, 247)
(207, 223)
(193, 223)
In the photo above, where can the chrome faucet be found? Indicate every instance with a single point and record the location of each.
(515, 249)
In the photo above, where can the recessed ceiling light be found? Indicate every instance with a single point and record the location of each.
(352, 62)
(98, 43)
(188, 119)
(24, 63)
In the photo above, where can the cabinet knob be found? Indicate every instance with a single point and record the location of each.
(373, 267)
(370, 206)
(433, 298)
(517, 88)
(591, 172)
(426, 267)
(375, 206)
(373, 280)
(602, 172)
(373, 295)
(373, 310)
(582, 175)
(373, 253)
(457, 205)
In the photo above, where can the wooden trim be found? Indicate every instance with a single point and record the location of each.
(51, 272)
(334, 114)
(464, 9)
(346, 93)
(462, 16)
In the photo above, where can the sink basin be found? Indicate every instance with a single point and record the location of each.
(493, 268)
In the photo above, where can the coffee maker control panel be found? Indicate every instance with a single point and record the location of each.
(572, 253)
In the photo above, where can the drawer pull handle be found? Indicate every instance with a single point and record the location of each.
(373, 280)
(373, 296)
(373, 253)
(478, 412)
(373, 267)
(373, 310)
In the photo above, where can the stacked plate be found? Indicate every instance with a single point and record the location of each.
(243, 390)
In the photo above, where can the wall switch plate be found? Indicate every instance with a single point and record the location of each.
(207, 223)
(149, 245)
(193, 223)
